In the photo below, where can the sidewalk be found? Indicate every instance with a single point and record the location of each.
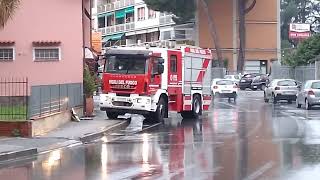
(69, 134)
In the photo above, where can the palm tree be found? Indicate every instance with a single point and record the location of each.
(7, 9)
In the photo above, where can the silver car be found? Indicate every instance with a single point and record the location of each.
(281, 89)
(309, 94)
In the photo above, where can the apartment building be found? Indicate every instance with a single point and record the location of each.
(129, 22)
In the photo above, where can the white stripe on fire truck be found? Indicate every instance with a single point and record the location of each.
(151, 85)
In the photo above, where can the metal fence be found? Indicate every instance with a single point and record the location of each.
(217, 72)
(13, 98)
(300, 73)
(49, 99)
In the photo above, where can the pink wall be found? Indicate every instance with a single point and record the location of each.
(37, 20)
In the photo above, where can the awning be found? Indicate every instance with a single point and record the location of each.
(105, 14)
(129, 9)
(46, 43)
(113, 37)
(121, 13)
(7, 43)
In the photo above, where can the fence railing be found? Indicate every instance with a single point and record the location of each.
(299, 73)
(49, 99)
(13, 98)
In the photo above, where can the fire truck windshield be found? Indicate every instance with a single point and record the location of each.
(126, 64)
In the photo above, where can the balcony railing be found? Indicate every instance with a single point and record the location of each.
(166, 20)
(116, 5)
(117, 28)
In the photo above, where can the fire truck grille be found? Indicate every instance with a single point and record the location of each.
(119, 103)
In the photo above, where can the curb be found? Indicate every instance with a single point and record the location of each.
(93, 136)
(57, 146)
(18, 154)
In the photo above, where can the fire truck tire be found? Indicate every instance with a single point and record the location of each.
(161, 111)
(196, 109)
(112, 115)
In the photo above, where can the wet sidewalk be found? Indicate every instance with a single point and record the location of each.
(69, 134)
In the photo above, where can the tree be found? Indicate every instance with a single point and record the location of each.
(7, 8)
(184, 10)
(243, 9)
(305, 53)
(298, 11)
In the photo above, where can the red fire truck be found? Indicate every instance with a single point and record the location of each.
(153, 81)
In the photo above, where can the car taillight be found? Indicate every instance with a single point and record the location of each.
(311, 93)
(215, 87)
(277, 88)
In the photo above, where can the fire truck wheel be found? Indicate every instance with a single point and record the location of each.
(112, 115)
(160, 114)
(196, 107)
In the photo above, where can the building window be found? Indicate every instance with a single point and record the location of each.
(110, 20)
(6, 54)
(102, 22)
(141, 14)
(151, 14)
(129, 17)
(166, 35)
(180, 34)
(173, 63)
(46, 54)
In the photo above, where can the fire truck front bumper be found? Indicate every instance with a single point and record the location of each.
(133, 104)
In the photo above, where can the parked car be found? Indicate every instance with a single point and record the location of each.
(234, 78)
(281, 89)
(309, 94)
(246, 80)
(260, 82)
(224, 88)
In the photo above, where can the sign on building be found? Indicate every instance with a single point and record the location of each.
(299, 31)
(97, 41)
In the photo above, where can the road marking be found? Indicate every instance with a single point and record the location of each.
(260, 171)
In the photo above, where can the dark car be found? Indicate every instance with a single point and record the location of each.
(246, 80)
(260, 82)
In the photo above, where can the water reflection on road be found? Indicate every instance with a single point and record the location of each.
(247, 140)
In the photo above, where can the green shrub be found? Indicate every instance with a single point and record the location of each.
(89, 82)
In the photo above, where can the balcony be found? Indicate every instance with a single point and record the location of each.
(117, 28)
(114, 6)
(166, 20)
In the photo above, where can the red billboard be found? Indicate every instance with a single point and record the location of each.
(299, 31)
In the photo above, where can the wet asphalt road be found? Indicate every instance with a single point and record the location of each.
(247, 140)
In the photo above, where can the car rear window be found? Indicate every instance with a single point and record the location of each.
(224, 82)
(315, 85)
(228, 77)
(287, 83)
(248, 76)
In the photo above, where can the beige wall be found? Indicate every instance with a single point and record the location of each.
(261, 26)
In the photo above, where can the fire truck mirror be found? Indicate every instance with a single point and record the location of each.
(161, 60)
(160, 68)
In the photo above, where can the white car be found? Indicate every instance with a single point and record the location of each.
(281, 89)
(224, 88)
(234, 78)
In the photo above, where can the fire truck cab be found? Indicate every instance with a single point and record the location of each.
(154, 81)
